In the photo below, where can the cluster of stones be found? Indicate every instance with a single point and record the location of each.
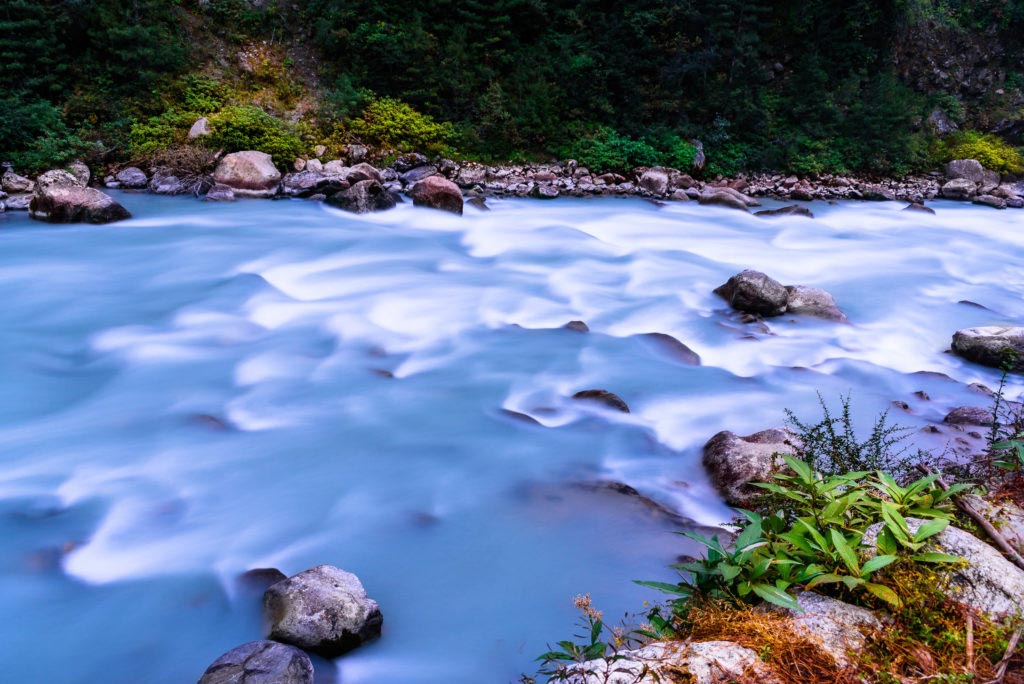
(324, 611)
(969, 181)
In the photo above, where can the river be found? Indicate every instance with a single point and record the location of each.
(206, 389)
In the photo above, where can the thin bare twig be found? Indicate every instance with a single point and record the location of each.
(1005, 662)
(992, 532)
(970, 643)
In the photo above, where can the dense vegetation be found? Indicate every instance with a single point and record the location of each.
(809, 87)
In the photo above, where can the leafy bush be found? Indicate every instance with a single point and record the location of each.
(35, 135)
(203, 94)
(817, 541)
(605, 149)
(158, 133)
(992, 151)
(237, 128)
(391, 123)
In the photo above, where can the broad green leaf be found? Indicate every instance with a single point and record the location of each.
(876, 563)
(883, 592)
(845, 552)
(730, 572)
(930, 529)
(677, 589)
(886, 542)
(936, 557)
(777, 596)
(826, 578)
(852, 582)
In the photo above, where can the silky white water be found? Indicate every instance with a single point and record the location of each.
(204, 389)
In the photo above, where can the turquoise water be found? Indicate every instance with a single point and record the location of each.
(205, 389)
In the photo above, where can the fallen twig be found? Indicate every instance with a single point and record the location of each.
(991, 531)
(1005, 662)
(970, 643)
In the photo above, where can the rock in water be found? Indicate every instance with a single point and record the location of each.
(969, 415)
(722, 197)
(362, 198)
(60, 200)
(917, 206)
(655, 181)
(753, 292)
(220, 193)
(132, 177)
(813, 301)
(249, 174)
(992, 346)
(734, 462)
(789, 210)
(605, 397)
(324, 610)
(14, 184)
(959, 189)
(260, 662)
(80, 171)
(437, 192)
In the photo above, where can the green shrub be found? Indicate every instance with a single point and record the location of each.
(388, 122)
(35, 136)
(237, 128)
(992, 151)
(158, 133)
(203, 95)
(607, 150)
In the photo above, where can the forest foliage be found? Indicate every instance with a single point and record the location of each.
(805, 87)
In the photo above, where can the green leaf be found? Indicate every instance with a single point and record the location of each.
(876, 563)
(595, 630)
(845, 552)
(936, 557)
(775, 595)
(730, 572)
(883, 592)
(826, 578)
(930, 529)
(677, 589)
(886, 542)
(802, 470)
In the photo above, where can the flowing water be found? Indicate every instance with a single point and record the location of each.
(206, 389)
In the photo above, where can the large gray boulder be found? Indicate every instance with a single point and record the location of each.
(132, 177)
(959, 189)
(702, 662)
(655, 180)
(260, 662)
(437, 192)
(733, 462)
(248, 174)
(727, 197)
(60, 199)
(14, 184)
(970, 169)
(324, 610)
(754, 292)
(813, 301)
(80, 171)
(839, 629)
(992, 346)
(986, 581)
(363, 197)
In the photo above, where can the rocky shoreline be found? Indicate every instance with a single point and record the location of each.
(355, 185)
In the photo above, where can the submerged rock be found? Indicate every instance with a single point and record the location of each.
(220, 193)
(992, 346)
(672, 347)
(601, 396)
(733, 462)
(790, 210)
(260, 662)
(577, 326)
(437, 192)
(969, 415)
(363, 197)
(248, 174)
(813, 301)
(324, 610)
(754, 292)
(917, 206)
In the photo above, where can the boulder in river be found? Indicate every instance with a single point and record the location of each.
(363, 171)
(437, 192)
(220, 193)
(990, 201)
(413, 176)
(260, 662)
(363, 197)
(131, 177)
(992, 346)
(754, 292)
(165, 183)
(813, 301)
(971, 170)
(733, 462)
(602, 396)
(917, 206)
(80, 171)
(726, 197)
(655, 180)
(324, 611)
(789, 210)
(248, 174)
(959, 189)
(14, 184)
(969, 415)
(59, 198)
